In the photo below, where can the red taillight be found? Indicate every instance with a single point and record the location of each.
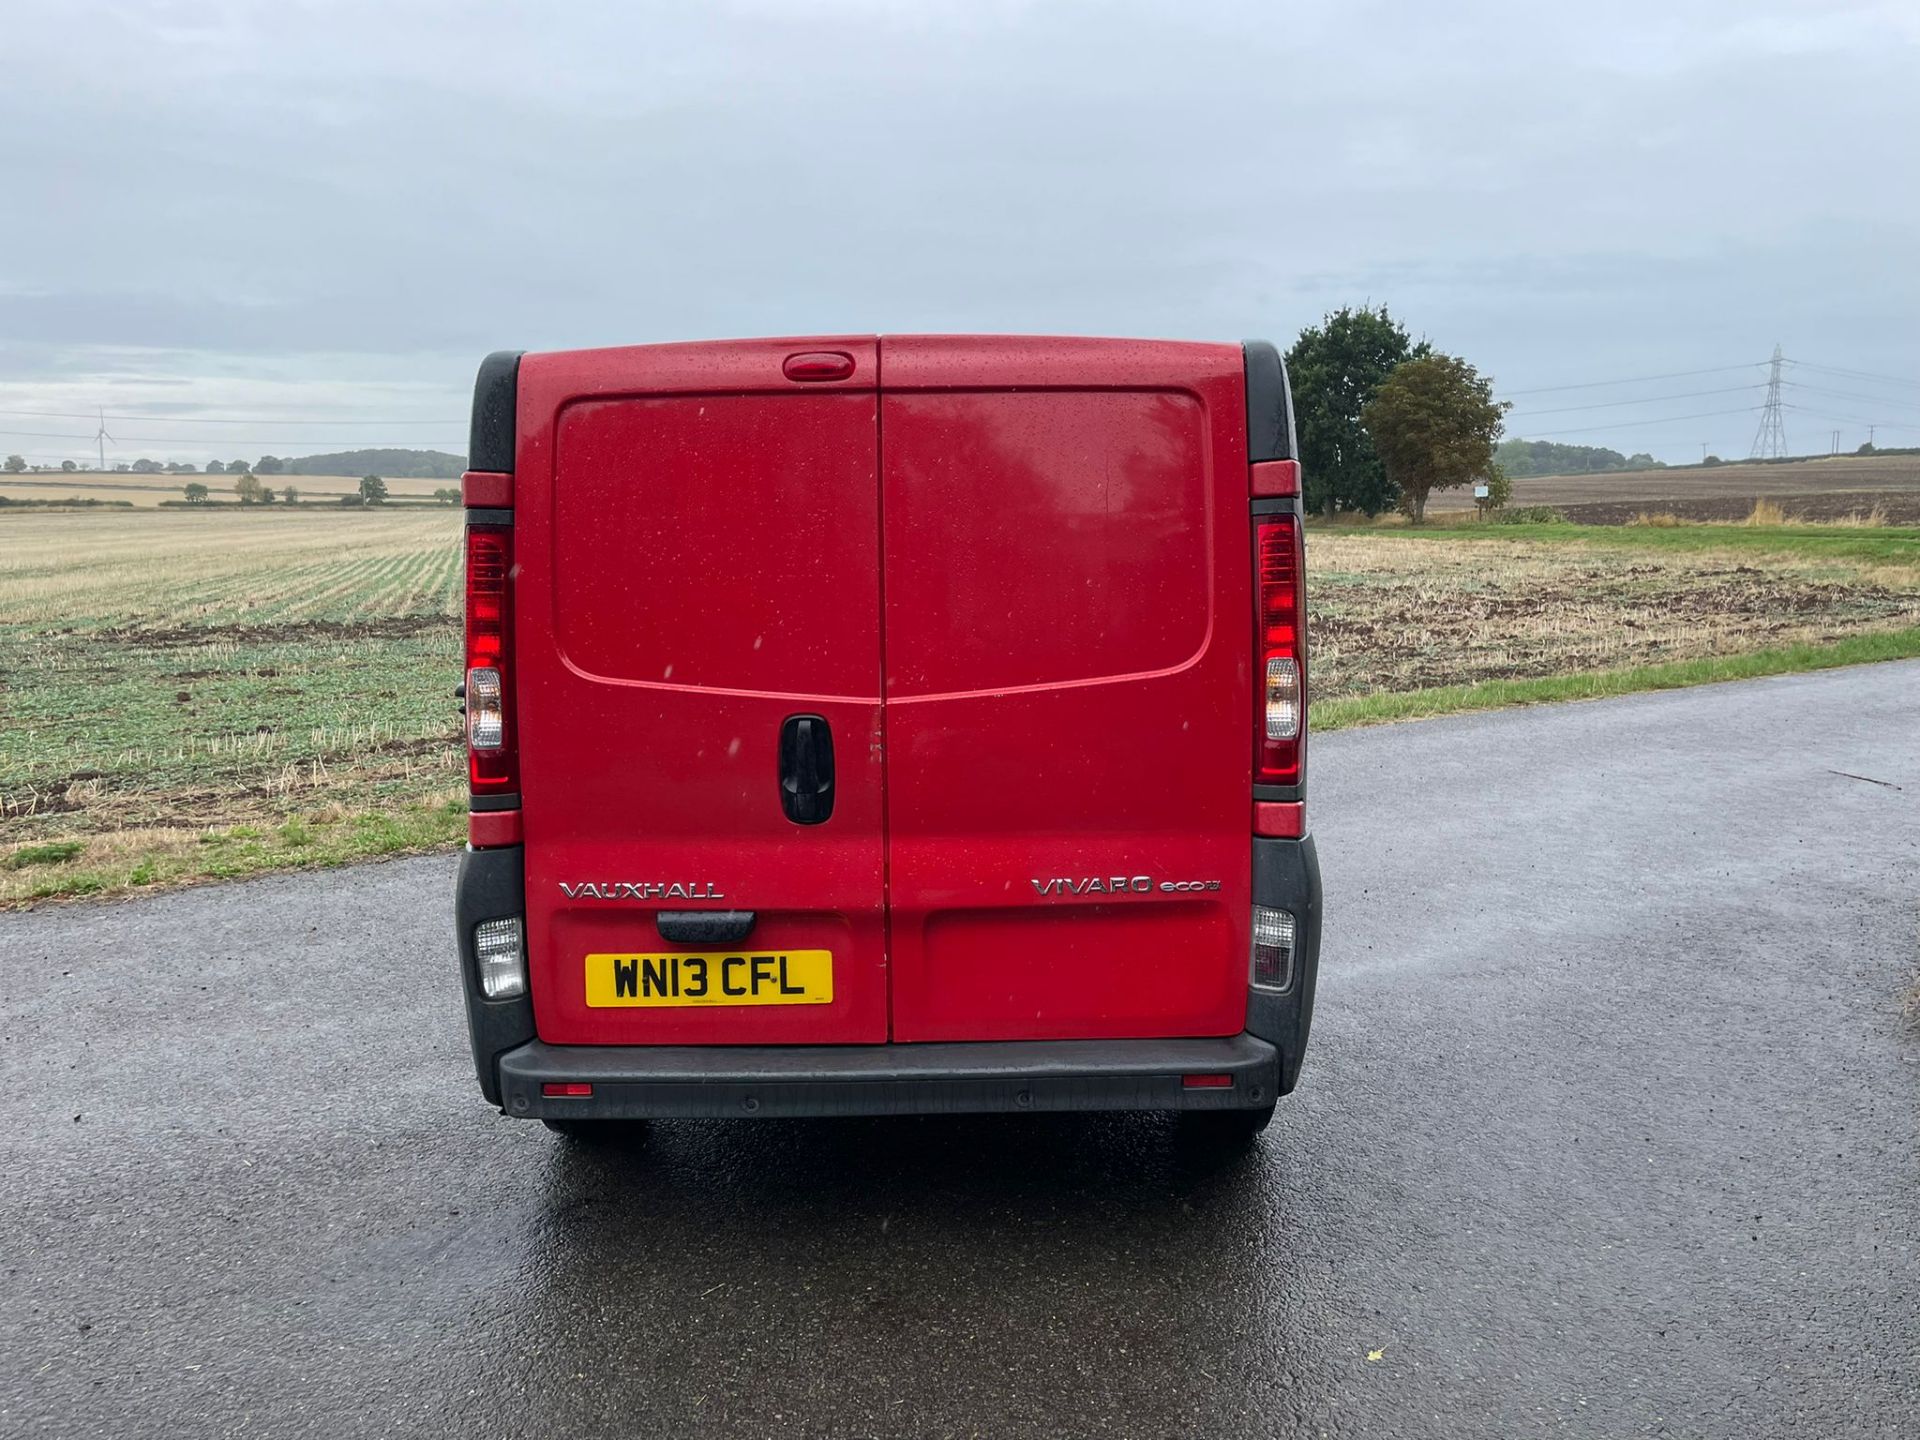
(1280, 674)
(492, 756)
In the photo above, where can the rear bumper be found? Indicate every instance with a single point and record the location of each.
(711, 1081)
(725, 1082)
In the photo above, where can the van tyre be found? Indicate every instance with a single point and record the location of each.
(596, 1132)
(1225, 1131)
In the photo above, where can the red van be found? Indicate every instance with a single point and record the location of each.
(887, 725)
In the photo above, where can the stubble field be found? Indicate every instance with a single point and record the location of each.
(189, 695)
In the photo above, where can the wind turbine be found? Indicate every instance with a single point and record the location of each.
(101, 440)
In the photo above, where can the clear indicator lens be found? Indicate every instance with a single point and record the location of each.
(1272, 948)
(497, 948)
(486, 716)
(1283, 698)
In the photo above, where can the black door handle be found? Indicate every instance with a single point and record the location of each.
(704, 927)
(806, 769)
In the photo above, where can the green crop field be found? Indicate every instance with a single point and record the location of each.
(188, 695)
(205, 694)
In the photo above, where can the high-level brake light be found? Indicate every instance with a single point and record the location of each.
(492, 757)
(1281, 724)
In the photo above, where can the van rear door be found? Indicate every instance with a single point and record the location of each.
(697, 604)
(1068, 630)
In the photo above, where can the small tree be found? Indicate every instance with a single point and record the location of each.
(68, 467)
(239, 467)
(196, 493)
(216, 467)
(292, 494)
(447, 496)
(248, 489)
(16, 464)
(144, 466)
(269, 465)
(373, 489)
(1434, 423)
(266, 494)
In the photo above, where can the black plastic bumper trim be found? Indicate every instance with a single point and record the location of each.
(490, 885)
(722, 1081)
(1286, 876)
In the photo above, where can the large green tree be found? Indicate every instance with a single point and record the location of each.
(1434, 423)
(1336, 367)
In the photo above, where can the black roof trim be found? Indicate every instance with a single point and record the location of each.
(496, 392)
(1270, 433)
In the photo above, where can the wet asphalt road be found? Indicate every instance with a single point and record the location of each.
(1609, 1128)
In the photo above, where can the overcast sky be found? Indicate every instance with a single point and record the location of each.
(281, 212)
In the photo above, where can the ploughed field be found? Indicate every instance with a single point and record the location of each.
(1817, 490)
(1394, 611)
(187, 695)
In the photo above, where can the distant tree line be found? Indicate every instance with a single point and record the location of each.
(1546, 457)
(408, 464)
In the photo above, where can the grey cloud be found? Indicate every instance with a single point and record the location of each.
(1560, 195)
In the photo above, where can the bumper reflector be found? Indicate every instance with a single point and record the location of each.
(1272, 948)
(1207, 1082)
(502, 963)
(566, 1089)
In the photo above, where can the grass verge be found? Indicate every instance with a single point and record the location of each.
(1347, 712)
(129, 860)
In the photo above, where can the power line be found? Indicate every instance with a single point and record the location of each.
(191, 440)
(1856, 395)
(1852, 419)
(1632, 424)
(1635, 380)
(1642, 400)
(212, 419)
(1855, 374)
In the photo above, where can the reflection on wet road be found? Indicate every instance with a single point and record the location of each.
(1609, 1128)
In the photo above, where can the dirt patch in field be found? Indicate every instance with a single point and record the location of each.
(1390, 615)
(299, 632)
(1896, 508)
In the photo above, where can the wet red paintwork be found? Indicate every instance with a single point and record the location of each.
(1012, 574)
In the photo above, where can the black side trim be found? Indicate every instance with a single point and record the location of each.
(496, 395)
(491, 884)
(1276, 505)
(1269, 405)
(479, 516)
(1286, 876)
(717, 1081)
(704, 927)
(493, 802)
(1280, 792)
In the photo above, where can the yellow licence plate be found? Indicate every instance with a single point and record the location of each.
(711, 977)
